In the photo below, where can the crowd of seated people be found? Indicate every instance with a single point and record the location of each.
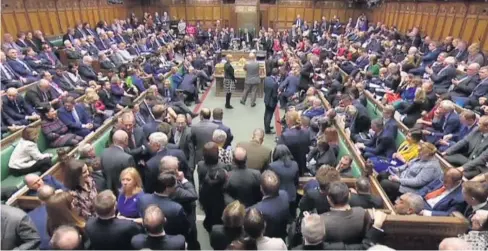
(140, 192)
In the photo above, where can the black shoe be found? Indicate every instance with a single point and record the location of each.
(194, 115)
(229, 107)
(253, 105)
(271, 127)
(270, 132)
(242, 102)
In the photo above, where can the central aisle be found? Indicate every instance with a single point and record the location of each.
(242, 120)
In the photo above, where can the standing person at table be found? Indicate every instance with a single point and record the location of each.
(229, 81)
(26, 157)
(252, 80)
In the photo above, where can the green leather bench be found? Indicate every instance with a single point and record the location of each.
(6, 153)
(56, 41)
(374, 112)
(100, 143)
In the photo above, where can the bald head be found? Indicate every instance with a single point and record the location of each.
(45, 192)
(258, 135)
(454, 244)
(205, 113)
(120, 138)
(452, 178)
(33, 181)
(153, 220)
(66, 238)
(240, 157)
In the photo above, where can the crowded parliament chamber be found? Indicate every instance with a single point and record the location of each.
(244, 125)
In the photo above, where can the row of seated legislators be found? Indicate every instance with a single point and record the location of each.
(140, 192)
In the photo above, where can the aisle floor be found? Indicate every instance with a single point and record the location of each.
(242, 120)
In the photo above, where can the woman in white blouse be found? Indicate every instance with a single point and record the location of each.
(26, 157)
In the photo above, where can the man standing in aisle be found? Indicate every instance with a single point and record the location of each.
(252, 79)
(270, 99)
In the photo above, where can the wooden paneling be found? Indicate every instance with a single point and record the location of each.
(467, 21)
(53, 17)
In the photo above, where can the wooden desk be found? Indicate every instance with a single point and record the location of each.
(240, 75)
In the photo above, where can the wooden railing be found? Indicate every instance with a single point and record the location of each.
(20, 199)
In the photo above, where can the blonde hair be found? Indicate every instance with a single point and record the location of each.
(428, 147)
(233, 215)
(293, 117)
(420, 95)
(91, 96)
(134, 174)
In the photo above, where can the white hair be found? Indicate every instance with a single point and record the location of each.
(415, 201)
(313, 229)
(219, 136)
(450, 60)
(159, 138)
(447, 105)
(84, 148)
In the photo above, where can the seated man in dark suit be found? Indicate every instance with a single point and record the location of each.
(382, 144)
(389, 120)
(475, 194)
(177, 222)
(468, 124)
(315, 191)
(48, 55)
(65, 83)
(363, 197)
(34, 183)
(41, 97)
(156, 238)
(105, 62)
(71, 51)
(471, 153)
(108, 99)
(171, 98)
(15, 107)
(86, 70)
(481, 90)
(218, 115)
(106, 231)
(444, 196)
(443, 79)
(39, 215)
(274, 205)
(20, 67)
(9, 78)
(317, 109)
(464, 86)
(75, 117)
(37, 63)
(446, 121)
(189, 86)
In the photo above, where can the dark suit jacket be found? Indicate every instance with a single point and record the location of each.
(36, 99)
(305, 79)
(186, 145)
(276, 213)
(449, 125)
(270, 92)
(68, 119)
(68, 37)
(189, 83)
(480, 90)
(298, 142)
(87, 73)
(466, 87)
(221, 237)
(391, 127)
(108, 99)
(453, 201)
(201, 133)
(152, 167)
(176, 220)
(39, 218)
(16, 112)
(290, 86)
(111, 233)
(18, 230)
(20, 69)
(166, 242)
(381, 145)
(314, 199)
(365, 201)
(442, 80)
(288, 177)
(114, 160)
(244, 185)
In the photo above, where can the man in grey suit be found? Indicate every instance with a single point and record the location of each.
(182, 138)
(443, 79)
(252, 80)
(114, 159)
(473, 161)
(18, 230)
(202, 133)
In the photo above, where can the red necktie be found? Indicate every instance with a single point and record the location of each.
(435, 193)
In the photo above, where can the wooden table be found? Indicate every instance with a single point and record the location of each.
(240, 75)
